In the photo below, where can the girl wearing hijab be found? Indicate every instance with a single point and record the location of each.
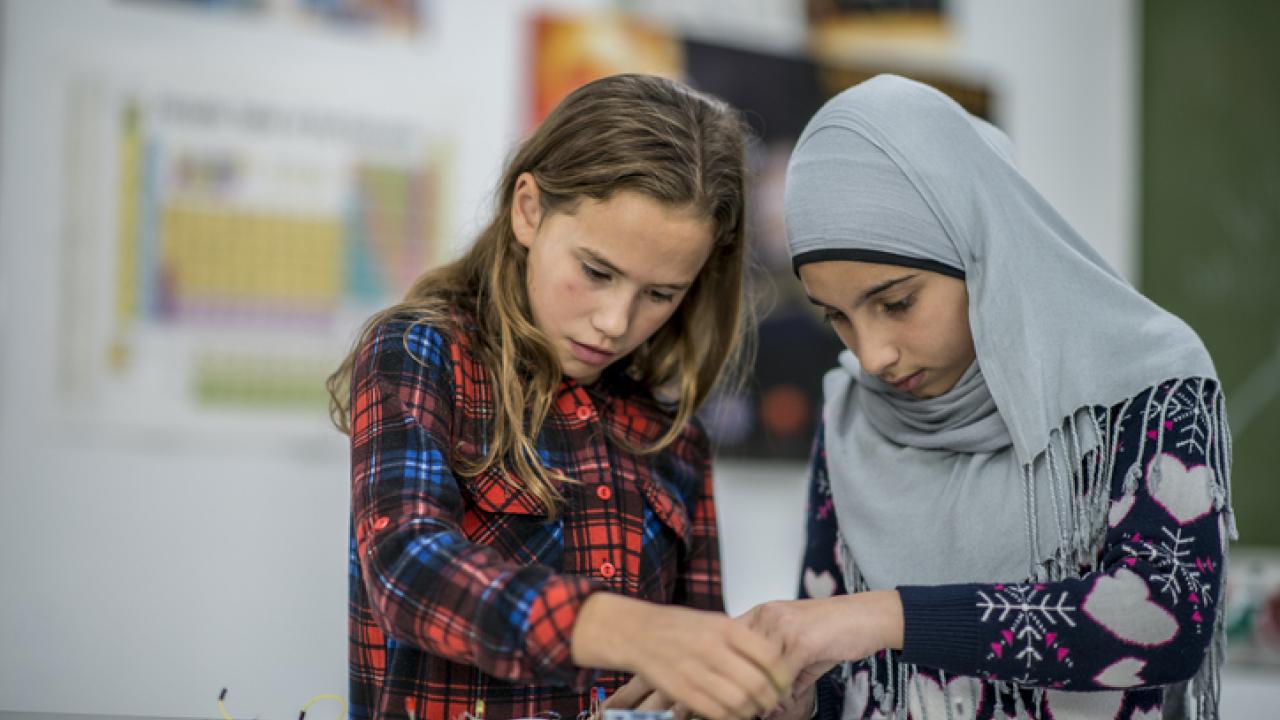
(1020, 495)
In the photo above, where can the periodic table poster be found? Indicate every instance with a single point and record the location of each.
(221, 251)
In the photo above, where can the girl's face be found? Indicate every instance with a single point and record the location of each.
(603, 277)
(910, 327)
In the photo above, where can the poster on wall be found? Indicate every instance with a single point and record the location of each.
(393, 17)
(220, 251)
(573, 49)
(908, 31)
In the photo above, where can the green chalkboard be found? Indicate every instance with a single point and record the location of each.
(1211, 214)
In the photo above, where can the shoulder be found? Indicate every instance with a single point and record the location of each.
(1186, 397)
(694, 436)
(1181, 419)
(406, 345)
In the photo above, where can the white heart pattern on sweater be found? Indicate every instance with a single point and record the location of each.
(1121, 603)
(1185, 493)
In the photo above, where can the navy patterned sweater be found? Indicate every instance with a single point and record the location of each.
(1139, 620)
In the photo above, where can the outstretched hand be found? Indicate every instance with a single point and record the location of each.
(817, 634)
(701, 662)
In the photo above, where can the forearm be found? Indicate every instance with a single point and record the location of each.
(851, 627)
(602, 633)
(1145, 614)
(461, 601)
(826, 631)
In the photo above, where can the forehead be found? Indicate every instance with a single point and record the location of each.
(643, 237)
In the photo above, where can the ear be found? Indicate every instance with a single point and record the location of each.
(526, 209)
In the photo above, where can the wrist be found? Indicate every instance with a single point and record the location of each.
(888, 617)
(873, 622)
(601, 633)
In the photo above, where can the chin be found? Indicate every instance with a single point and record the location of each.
(934, 390)
(579, 372)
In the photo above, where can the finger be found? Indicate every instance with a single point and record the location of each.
(701, 704)
(679, 711)
(810, 675)
(755, 681)
(656, 701)
(785, 710)
(740, 687)
(704, 706)
(766, 655)
(631, 694)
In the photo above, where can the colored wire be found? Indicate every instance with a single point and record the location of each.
(318, 698)
(222, 705)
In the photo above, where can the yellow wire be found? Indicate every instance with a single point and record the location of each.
(328, 696)
(222, 707)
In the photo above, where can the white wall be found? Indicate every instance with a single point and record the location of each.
(142, 577)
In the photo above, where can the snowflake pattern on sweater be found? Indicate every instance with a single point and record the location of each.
(1103, 644)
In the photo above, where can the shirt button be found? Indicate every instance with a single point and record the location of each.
(607, 570)
(584, 413)
(604, 492)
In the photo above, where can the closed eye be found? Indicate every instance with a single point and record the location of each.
(830, 315)
(900, 306)
(594, 274)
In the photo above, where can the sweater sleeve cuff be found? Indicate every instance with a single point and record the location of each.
(939, 627)
(549, 638)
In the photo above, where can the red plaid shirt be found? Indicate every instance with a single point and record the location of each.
(460, 589)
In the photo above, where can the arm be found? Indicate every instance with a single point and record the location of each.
(1143, 618)
(428, 585)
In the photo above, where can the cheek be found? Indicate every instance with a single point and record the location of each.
(572, 287)
(845, 334)
(962, 338)
(651, 320)
(572, 295)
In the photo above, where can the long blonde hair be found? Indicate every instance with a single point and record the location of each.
(637, 133)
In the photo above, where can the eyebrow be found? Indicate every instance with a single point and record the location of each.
(869, 293)
(600, 260)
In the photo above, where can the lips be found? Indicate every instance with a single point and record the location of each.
(590, 354)
(908, 383)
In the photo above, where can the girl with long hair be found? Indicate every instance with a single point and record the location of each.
(531, 493)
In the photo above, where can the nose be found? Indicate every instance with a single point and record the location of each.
(875, 350)
(612, 316)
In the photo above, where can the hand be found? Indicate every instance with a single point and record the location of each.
(797, 707)
(816, 634)
(715, 667)
(640, 695)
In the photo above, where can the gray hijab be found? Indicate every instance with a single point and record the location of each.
(933, 491)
